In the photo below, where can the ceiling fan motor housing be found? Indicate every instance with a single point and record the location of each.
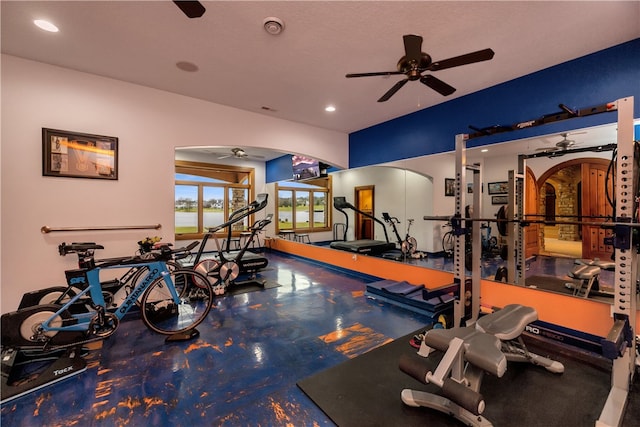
(415, 62)
(411, 69)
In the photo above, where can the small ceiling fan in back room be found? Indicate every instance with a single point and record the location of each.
(415, 62)
(240, 153)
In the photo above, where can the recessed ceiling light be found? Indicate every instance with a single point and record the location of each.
(484, 150)
(187, 66)
(46, 25)
(330, 108)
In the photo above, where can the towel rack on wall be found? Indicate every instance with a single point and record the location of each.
(46, 229)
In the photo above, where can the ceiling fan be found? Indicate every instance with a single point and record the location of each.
(415, 62)
(193, 9)
(239, 153)
(564, 144)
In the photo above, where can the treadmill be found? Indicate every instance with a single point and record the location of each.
(363, 246)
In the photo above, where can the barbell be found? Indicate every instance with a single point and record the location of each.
(526, 221)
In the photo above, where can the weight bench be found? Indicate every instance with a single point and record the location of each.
(508, 324)
(588, 272)
(469, 353)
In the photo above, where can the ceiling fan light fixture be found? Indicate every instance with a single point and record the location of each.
(273, 25)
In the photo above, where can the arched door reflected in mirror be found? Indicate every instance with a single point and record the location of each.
(575, 190)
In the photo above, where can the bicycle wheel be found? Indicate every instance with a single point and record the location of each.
(448, 242)
(409, 246)
(160, 312)
(140, 274)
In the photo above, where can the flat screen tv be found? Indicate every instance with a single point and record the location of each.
(305, 168)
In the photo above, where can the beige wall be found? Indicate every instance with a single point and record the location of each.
(149, 124)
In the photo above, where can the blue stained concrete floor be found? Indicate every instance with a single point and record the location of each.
(241, 370)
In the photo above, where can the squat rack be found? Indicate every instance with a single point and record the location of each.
(619, 345)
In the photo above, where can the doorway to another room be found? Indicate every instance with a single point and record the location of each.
(575, 190)
(364, 198)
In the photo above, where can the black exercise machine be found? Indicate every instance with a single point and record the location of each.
(224, 266)
(363, 246)
(25, 371)
(407, 247)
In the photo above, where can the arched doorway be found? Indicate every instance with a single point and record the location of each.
(579, 190)
(549, 202)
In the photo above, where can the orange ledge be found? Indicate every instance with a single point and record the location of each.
(574, 313)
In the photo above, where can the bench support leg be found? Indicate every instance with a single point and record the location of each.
(433, 401)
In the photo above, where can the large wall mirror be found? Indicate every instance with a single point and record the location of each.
(560, 184)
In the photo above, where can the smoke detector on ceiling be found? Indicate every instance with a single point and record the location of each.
(273, 25)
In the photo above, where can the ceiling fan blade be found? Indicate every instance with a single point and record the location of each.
(456, 61)
(380, 73)
(413, 47)
(396, 87)
(438, 85)
(193, 9)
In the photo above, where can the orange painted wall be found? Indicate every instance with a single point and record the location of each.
(567, 311)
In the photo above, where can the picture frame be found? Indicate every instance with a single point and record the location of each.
(501, 187)
(499, 200)
(449, 187)
(470, 187)
(79, 155)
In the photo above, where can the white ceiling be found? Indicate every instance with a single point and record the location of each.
(300, 71)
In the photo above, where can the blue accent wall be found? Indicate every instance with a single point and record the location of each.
(584, 82)
(279, 169)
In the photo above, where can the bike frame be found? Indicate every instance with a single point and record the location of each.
(157, 269)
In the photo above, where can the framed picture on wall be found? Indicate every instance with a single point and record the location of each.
(499, 200)
(501, 187)
(470, 187)
(79, 155)
(449, 187)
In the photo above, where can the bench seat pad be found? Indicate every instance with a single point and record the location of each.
(508, 323)
(584, 272)
(481, 350)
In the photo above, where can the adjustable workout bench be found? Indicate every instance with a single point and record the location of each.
(469, 352)
(588, 272)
